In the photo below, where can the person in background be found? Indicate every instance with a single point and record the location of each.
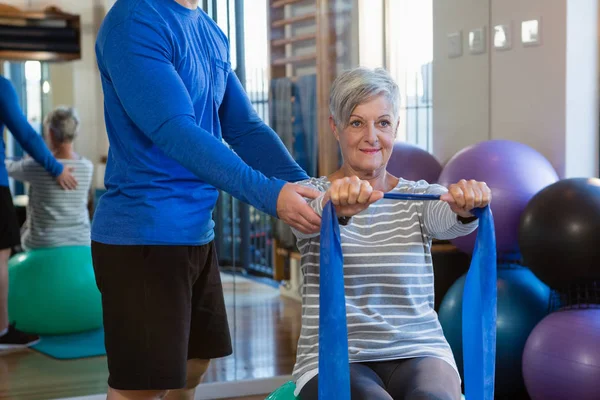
(56, 217)
(12, 117)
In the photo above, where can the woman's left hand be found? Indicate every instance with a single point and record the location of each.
(467, 195)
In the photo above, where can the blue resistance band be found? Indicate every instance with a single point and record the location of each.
(479, 309)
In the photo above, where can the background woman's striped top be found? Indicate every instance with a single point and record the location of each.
(388, 276)
(55, 217)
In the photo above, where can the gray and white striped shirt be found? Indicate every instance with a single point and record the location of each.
(55, 217)
(388, 275)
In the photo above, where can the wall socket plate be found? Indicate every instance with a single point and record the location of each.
(531, 32)
(455, 44)
(502, 37)
(477, 41)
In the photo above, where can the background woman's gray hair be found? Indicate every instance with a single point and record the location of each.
(64, 123)
(359, 85)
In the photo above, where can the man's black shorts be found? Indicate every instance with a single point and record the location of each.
(162, 306)
(10, 233)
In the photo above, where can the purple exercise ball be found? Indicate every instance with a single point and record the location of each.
(413, 163)
(562, 356)
(514, 172)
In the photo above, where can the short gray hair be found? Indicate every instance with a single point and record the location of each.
(357, 86)
(64, 123)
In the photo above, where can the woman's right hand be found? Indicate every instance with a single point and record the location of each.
(351, 196)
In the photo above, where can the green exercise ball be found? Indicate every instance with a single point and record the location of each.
(53, 291)
(286, 392)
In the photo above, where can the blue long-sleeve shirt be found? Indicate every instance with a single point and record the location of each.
(170, 99)
(12, 117)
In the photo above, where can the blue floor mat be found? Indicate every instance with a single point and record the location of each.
(78, 345)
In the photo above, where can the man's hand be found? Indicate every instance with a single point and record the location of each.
(66, 180)
(294, 211)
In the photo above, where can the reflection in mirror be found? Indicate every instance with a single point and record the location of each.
(511, 84)
(31, 81)
(264, 324)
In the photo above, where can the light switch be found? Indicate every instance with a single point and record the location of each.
(477, 41)
(531, 32)
(455, 44)
(502, 37)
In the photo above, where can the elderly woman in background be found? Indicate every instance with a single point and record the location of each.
(397, 348)
(56, 217)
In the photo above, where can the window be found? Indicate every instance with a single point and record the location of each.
(33, 94)
(257, 59)
(409, 53)
(398, 35)
(31, 82)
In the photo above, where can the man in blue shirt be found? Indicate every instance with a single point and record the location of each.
(170, 100)
(12, 117)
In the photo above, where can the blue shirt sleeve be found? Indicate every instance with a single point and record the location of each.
(253, 140)
(158, 103)
(12, 116)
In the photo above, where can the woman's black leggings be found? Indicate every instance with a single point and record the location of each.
(425, 378)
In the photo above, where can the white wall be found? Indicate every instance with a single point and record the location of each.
(460, 85)
(22, 4)
(544, 96)
(63, 92)
(528, 90)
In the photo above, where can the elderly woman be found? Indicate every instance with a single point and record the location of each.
(397, 347)
(56, 217)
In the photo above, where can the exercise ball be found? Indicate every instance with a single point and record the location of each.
(284, 392)
(559, 232)
(53, 291)
(514, 172)
(523, 300)
(562, 356)
(413, 163)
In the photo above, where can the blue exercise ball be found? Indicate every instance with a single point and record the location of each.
(53, 291)
(523, 301)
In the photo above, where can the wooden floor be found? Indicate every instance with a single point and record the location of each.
(264, 335)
